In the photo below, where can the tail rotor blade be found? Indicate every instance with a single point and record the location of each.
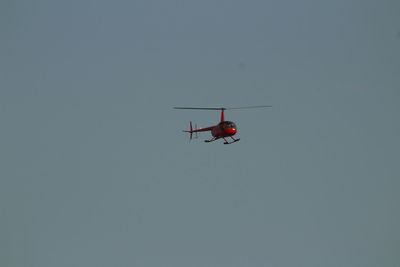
(191, 131)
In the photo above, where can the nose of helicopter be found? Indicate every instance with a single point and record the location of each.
(231, 131)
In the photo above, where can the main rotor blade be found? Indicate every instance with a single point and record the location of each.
(200, 108)
(249, 107)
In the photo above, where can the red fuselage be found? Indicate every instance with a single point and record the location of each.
(224, 129)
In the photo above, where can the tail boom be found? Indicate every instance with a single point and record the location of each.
(195, 130)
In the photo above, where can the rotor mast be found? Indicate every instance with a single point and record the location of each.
(222, 114)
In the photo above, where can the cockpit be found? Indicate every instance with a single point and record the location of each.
(228, 125)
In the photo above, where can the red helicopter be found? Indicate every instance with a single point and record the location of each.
(223, 129)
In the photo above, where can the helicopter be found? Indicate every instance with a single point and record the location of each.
(224, 129)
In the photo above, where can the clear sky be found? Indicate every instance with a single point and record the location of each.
(95, 170)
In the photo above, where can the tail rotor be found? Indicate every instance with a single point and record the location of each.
(192, 130)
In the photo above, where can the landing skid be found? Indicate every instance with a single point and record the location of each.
(226, 141)
(211, 140)
(234, 141)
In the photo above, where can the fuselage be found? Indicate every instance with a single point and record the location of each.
(224, 129)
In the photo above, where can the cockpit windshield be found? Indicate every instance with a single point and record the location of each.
(228, 125)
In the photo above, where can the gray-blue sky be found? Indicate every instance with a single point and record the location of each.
(95, 170)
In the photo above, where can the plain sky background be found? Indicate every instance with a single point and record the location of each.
(95, 170)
